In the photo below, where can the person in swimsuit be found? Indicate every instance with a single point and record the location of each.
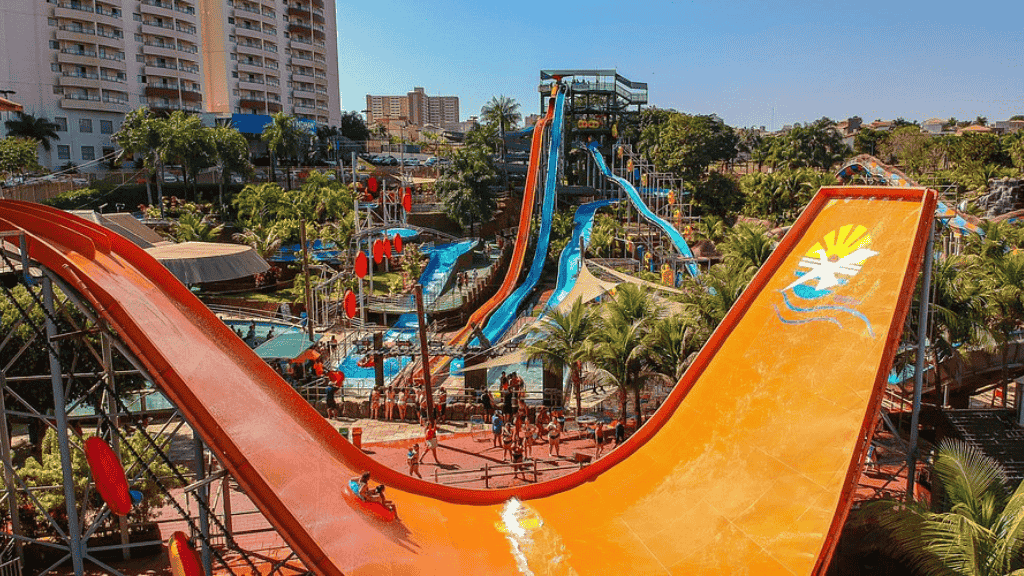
(554, 434)
(389, 404)
(431, 437)
(599, 438)
(362, 488)
(402, 400)
(507, 439)
(413, 459)
(377, 495)
(517, 459)
(375, 403)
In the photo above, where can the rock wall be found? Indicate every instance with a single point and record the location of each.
(1004, 195)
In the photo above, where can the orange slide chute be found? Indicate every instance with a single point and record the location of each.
(747, 468)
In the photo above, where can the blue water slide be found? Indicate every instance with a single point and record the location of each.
(569, 261)
(501, 319)
(641, 206)
(434, 278)
(520, 134)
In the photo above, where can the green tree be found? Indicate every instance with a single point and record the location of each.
(561, 340)
(466, 187)
(232, 153)
(283, 137)
(718, 194)
(977, 531)
(353, 127)
(673, 343)
(503, 111)
(687, 145)
(34, 128)
(142, 134)
(916, 151)
(748, 245)
(815, 145)
(17, 155)
(264, 239)
(871, 141)
(192, 226)
(709, 298)
(604, 235)
(258, 205)
(190, 145)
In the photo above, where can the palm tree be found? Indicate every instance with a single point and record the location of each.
(503, 111)
(28, 126)
(710, 297)
(265, 240)
(749, 244)
(673, 343)
(561, 341)
(283, 137)
(618, 350)
(194, 227)
(1003, 286)
(979, 531)
(957, 308)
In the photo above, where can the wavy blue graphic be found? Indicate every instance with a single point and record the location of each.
(851, 311)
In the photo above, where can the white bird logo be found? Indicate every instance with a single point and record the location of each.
(825, 271)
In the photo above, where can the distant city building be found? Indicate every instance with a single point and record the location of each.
(85, 63)
(416, 108)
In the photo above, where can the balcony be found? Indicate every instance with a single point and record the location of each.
(93, 103)
(79, 80)
(254, 68)
(256, 15)
(81, 57)
(157, 8)
(257, 86)
(273, 107)
(159, 90)
(251, 49)
(172, 106)
(253, 103)
(303, 93)
(165, 49)
(76, 34)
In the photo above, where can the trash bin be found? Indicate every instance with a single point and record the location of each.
(357, 437)
(344, 432)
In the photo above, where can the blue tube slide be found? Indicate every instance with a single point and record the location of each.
(501, 319)
(634, 196)
(569, 261)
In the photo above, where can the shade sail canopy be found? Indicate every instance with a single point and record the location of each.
(286, 346)
(517, 357)
(8, 106)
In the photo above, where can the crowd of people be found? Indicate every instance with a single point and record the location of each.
(407, 403)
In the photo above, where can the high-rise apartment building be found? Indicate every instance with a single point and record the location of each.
(85, 63)
(263, 56)
(415, 108)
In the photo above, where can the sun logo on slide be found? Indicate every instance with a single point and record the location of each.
(824, 269)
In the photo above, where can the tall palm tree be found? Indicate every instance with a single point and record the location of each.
(618, 350)
(265, 240)
(979, 531)
(673, 343)
(503, 111)
(28, 126)
(283, 137)
(957, 308)
(1003, 285)
(561, 341)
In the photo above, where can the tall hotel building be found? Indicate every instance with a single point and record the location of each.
(85, 63)
(416, 108)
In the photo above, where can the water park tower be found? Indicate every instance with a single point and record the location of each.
(601, 105)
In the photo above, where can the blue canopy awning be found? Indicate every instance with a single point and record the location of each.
(286, 346)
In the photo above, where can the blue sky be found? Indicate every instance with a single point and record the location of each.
(745, 60)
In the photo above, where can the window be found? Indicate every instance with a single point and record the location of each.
(142, 79)
(54, 67)
(85, 125)
(51, 21)
(88, 153)
(62, 124)
(54, 44)
(108, 152)
(106, 127)
(140, 58)
(139, 38)
(63, 152)
(234, 74)
(231, 20)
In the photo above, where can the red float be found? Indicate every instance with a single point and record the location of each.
(407, 202)
(109, 476)
(378, 251)
(183, 558)
(371, 184)
(398, 243)
(362, 264)
(387, 247)
(350, 304)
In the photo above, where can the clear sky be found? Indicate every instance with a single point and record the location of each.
(748, 61)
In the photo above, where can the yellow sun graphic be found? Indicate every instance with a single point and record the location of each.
(840, 243)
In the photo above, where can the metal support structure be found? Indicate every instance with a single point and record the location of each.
(63, 442)
(203, 496)
(922, 336)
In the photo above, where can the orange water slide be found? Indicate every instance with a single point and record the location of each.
(747, 468)
(522, 237)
